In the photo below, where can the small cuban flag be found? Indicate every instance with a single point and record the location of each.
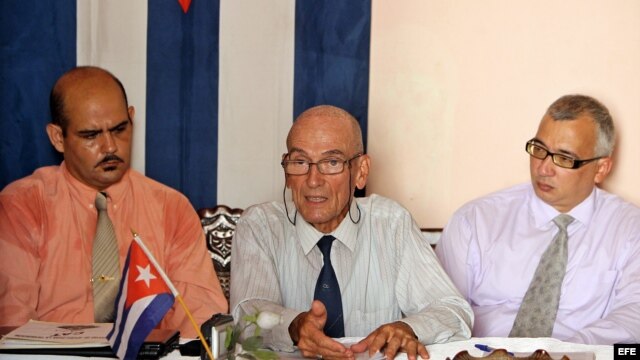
(145, 296)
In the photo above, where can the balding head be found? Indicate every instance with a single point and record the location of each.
(323, 116)
(79, 83)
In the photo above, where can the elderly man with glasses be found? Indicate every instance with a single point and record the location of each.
(557, 257)
(336, 266)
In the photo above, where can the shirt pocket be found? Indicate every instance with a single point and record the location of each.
(590, 290)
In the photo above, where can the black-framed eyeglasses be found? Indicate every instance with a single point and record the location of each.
(324, 166)
(564, 161)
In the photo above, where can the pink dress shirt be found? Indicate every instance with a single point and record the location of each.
(492, 246)
(47, 224)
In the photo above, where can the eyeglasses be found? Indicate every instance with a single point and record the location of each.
(563, 161)
(325, 166)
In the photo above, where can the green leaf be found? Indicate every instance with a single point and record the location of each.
(251, 318)
(252, 343)
(265, 355)
(229, 338)
(247, 356)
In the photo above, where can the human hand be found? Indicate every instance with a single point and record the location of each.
(306, 330)
(393, 337)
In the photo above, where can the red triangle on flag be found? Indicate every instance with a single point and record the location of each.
(185, 5)
(143, 278)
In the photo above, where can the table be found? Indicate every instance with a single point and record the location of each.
(437, 351)
(527, 345)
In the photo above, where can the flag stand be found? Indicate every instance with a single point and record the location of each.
(195, 326)
(177, 295)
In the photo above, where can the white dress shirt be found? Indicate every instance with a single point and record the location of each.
(385, 268)
(491, 248)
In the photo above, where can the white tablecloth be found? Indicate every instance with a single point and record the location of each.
(440, 351)
(524, 345)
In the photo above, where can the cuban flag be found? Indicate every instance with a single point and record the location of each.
(216, 84)
(143, 300)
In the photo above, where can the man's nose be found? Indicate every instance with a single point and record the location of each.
(314, 176)
(546, 167)
(108, 143)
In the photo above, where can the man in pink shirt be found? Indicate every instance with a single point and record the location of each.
(492, 246)
(48, 219)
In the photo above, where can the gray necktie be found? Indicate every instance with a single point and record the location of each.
(539, 307)
(106, 264)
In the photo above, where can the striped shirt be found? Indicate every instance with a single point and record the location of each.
(385, 268)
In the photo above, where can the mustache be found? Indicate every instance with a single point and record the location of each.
(109, 158)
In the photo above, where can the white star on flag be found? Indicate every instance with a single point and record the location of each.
(145, 274)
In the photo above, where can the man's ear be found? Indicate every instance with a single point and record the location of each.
(363, 171)
(604, 168)
(56, 137)
(286, 177)
(132, 112)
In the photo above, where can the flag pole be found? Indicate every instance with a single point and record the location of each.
(173, 289)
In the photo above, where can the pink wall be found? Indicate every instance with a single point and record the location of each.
(457, 87)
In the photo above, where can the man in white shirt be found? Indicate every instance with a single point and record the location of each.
(392, 291)
(492, 246)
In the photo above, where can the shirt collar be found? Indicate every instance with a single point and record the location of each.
(346, 232)
(544, 213)
(87, 195)
(583, 212)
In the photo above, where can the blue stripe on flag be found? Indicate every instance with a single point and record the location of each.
(332, 56)
(151, 316)
(118, 331)
(182, 98)
(38, 42)
(143, 324)
(118, 327)
(127, 342)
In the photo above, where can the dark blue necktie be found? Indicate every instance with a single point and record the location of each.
(328, 291)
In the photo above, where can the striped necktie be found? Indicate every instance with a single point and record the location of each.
(328, 291)
(539, 307)
(106, 264)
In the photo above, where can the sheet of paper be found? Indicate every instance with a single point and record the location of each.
(42, 334)
(348, 341)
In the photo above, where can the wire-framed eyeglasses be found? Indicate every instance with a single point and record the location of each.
(564, 161)
(329, 166)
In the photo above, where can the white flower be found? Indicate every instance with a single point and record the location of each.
(268, 320)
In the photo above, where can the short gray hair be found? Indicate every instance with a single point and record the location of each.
(570, 107)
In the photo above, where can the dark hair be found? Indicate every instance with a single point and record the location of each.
(570, 107)
(56, 97)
